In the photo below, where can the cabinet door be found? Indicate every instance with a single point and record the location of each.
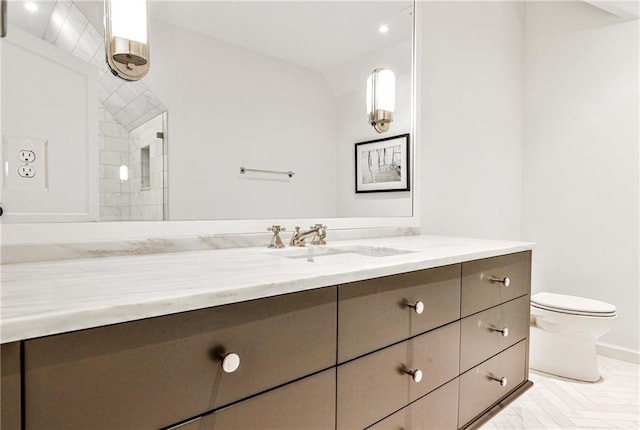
(485, 334)
(305, 404)
(374, 313)
(480, 387)
(376, 385)
(10, 386)
(481, 281)
(437, 410)
(153, 373)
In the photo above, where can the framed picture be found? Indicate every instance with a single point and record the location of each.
(383, 165)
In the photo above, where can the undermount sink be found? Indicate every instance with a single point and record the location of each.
(311, 252)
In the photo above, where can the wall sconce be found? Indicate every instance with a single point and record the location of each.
(381, 98)
(126, 38)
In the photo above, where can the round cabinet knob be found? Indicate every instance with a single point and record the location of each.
(504, 281)
(231, 362)
(502, 381)
(418, 307)
(416, 375)
(504, 331)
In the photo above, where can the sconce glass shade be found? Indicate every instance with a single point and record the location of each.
(124, 173)
(381, 98)
(126, 38)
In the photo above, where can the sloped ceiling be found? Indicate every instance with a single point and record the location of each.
(62, 24)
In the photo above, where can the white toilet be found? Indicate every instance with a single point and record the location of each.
(564, 330)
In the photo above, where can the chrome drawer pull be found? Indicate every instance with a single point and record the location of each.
(504, 331)
(504, 281)
(502, 381)
(231, 362)
(418, 306)
(416, 375)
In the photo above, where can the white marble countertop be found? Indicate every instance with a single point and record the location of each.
(39, 299)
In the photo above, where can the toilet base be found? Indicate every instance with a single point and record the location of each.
(567, 356)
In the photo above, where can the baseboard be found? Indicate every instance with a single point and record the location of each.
(618, 352)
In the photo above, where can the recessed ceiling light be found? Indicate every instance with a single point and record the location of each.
(31, 6)
(383, 28)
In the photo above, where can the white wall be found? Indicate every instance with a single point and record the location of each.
(581, 185)
(219, 120)
(470, 109)
(49, 95)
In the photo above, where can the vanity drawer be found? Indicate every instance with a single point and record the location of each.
(373, 313)
(155, 372)
(437, 410)
(484, 334)
(478, 391)
(10, 386)
(482, 285)
(306, 404)
(376, 385)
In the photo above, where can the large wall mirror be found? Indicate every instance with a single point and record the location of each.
(275, 86)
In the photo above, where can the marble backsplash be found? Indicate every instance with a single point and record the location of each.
(28, 253)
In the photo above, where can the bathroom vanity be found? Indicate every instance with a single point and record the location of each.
(433, 337)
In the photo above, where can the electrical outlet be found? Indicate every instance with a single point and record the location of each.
(25, 163)
(26, 171)
(26, 156)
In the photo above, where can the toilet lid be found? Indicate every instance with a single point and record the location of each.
(572, 305)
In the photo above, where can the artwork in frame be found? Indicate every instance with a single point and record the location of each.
(383, 165)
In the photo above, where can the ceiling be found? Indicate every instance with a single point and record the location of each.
(623, 9)
(317, 35)
(35, 23)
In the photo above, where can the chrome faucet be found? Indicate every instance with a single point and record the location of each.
(318, 230)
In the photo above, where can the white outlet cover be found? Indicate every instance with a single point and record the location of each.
(13, 149)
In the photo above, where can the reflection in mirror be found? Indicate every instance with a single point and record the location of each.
(264, 85)
(55, 75)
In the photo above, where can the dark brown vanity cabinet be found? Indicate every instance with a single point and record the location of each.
(431, 349)
(153, 373)
(10, 389)
(305, 404)
(463, 329)
(376, 313)
(385, 381)
(435, 411)
(494, 339)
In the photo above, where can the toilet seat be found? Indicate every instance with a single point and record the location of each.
(572, 305)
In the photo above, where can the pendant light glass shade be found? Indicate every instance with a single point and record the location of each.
(381, 98)
(126, 38)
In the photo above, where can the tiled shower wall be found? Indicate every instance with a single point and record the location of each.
(114, 152)
(148, 199)
(131, 200)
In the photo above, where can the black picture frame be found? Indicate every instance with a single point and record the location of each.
(382, 165)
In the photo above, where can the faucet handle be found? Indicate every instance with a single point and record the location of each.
(276, 229)
(276, 241)
(321, 234)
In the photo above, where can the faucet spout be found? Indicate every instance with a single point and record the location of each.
(319, 231)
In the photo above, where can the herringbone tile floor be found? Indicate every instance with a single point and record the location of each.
(559, 404)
